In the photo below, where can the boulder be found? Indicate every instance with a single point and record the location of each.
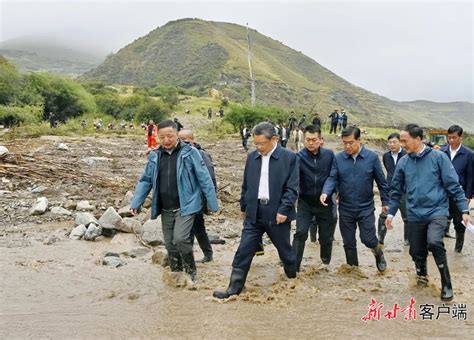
(113, 261)
(151, 232)
(129, 225)
(60, 211)
(93, 231)
(78, 232)
(86, 219)
(84, 206)
(3, 151)
(110, 219)
(125, 211)
(123, 239)
(40, 206)
(63, 147)
(127, 199)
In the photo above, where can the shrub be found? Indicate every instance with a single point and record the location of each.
(14, 115)
(245, 114)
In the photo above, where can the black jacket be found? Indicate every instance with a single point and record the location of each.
(390, 165)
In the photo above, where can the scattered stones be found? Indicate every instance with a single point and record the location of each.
(62, 147)
(39, 189)
(129, 225)
(40, 206)
(113, 261)
(50, 240)
(110, 219)
(231, 234)
(60, 211)
(70, 204)
(84, 206)
(125, 211)
(152, 233)
(93, 231)
(78, 232)
(136, 252)
(86, 219)
(93, 160)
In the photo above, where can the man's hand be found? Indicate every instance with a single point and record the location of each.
(242, 215)
(281, 218)
(323, 198)
(388, 223)
(134, 212)
(466, 219)
(385, 209)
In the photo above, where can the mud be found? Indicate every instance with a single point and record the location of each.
(62, 290)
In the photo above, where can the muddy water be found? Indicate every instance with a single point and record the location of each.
(62, 290)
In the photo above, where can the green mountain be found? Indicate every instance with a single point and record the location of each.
(198, 54)
(33, 54)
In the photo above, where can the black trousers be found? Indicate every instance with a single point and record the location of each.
(199, 231)
(365, 220)
(333, 127)
(456, 216)
(324, 217)
(252, 233)
(427, 236)
(245, 143)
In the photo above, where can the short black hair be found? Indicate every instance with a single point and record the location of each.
(455, 129)
(166, 124)
(313, 129)
(265, 128)
(414, 131)
(351, 130)
(394, 135)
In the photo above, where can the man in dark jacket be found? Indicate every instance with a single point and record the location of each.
(315, 165)
(199, 227)
(428, 178)
(178, 177)
(334, 120)
(316, 120)
(354, 171)
(390, 160)
(344, 119)
(284, 133)
(267, 205)
(462, 159)
(292, 121)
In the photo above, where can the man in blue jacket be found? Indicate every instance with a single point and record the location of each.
(462, 159)
(267, 205)
(315, 165)
(390, 160)
(177, 175)
(428, 178)
(354, 171)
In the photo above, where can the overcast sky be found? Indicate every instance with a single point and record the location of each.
(405, 50)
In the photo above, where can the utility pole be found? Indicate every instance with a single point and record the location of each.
(252, 80)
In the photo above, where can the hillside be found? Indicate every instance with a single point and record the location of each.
(197, 54)
(41, 54)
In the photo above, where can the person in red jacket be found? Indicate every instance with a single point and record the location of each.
(151, 133)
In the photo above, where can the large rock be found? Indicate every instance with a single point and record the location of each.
(110, 219)
(129, 225)
(84, 206)
(40, 206)
(93, 231)
(60, 211)
(128, 240)
(125, 211)
(127, 199)
(62, 147)
(3, 151)
(86, 219)
(113, 261)
(152, 233)
(78, 232)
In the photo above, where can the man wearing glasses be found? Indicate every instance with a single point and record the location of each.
(315, 165)
(267, 205)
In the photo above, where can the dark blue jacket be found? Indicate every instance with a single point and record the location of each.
(356, 180)
(463, 164)
(314, 170)
(283, 183)
(428, 179)
(390, 165)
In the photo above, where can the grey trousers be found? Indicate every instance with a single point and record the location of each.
(176, 231)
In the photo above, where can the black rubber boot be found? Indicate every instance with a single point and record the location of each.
(422, 273)
(326, 253)
(189, 265)
(298, 249)
(205, 245)
(313, 229)
(379, 258)
(381, 229)
(405, 235)
(290, 271)
(175, 262)
(446, 287)
(351, 257)
(237, 282)
(459, 242)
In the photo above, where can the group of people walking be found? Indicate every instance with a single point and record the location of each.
(314, 185)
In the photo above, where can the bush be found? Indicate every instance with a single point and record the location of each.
(151, 109)
(240, 115)
(110, 104)
(168, 94)
(14, 115)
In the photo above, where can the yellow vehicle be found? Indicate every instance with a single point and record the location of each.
(437, 138)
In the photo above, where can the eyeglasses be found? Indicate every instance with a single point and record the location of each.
(260, 143)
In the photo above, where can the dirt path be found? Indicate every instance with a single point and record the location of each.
(62, 290)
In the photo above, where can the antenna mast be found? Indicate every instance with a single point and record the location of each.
(252, 80)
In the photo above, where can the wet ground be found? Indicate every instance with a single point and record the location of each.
(62, 290)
